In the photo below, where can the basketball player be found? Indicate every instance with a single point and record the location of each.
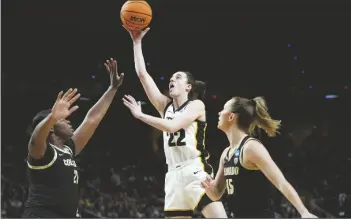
(183, 124)
(52, 170)
(246, 167)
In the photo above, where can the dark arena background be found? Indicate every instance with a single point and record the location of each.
(296, 55)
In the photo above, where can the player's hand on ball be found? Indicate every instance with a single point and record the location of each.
(137, 35)
(134, 106)
(207, 183)
(61, 108)
(115, 78)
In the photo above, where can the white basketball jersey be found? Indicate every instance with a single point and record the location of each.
(187, 143)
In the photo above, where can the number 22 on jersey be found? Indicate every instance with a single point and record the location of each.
(177, 138)
(230, 186)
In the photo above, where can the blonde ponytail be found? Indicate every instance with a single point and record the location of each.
(263, 120)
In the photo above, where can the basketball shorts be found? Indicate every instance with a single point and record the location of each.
(184, 193)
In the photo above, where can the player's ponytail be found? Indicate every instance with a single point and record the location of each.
(198, 88)
(262, 119)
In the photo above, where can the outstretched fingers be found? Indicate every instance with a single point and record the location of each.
(127, 103)
(70, 95)
(114, 65)
(73, 109)
(64, 97)
(74, 99)
(111, 65)
(59, 96)
(107, 67)
(130, 99)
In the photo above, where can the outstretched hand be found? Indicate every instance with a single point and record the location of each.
(61, 108)
(137, 35)
(207, 183)
(133, 106)
(115, 78)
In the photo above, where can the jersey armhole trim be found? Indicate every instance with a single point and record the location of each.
(241, 158)
(44, 166)
(226, 157)
(166, 107)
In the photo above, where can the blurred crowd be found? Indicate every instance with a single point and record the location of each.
(313, 158)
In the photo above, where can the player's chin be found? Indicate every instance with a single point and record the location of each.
(70, 133)
(219, 126)
(172, 94)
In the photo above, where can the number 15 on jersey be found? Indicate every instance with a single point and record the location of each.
(230, 186)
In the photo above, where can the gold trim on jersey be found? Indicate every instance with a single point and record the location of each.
(177, 210)
(196, 143)
(65, 150)
(202, 159)
(44, 166)
(241, 157)
(203, 142)
(70, 150)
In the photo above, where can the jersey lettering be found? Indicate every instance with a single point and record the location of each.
(230, 171)
(69, 163)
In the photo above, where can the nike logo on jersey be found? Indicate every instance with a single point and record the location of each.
(196, 172)
(60, 154)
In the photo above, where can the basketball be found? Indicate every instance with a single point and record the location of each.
(136, 15)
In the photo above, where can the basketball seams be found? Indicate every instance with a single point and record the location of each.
(144, 7)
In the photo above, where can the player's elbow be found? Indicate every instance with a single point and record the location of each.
(214, 195)
(171, 129)
(214, 198)
(92, 120)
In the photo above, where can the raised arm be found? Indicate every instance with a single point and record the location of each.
(192, 112)
(158, 100)
(215, 188)
(258, 155)
(94, 116)
(60, 110)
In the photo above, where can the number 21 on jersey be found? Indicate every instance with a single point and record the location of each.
(230, 186)
(75, 177)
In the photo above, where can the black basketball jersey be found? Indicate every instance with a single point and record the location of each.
(249, 191)
(53, 181)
